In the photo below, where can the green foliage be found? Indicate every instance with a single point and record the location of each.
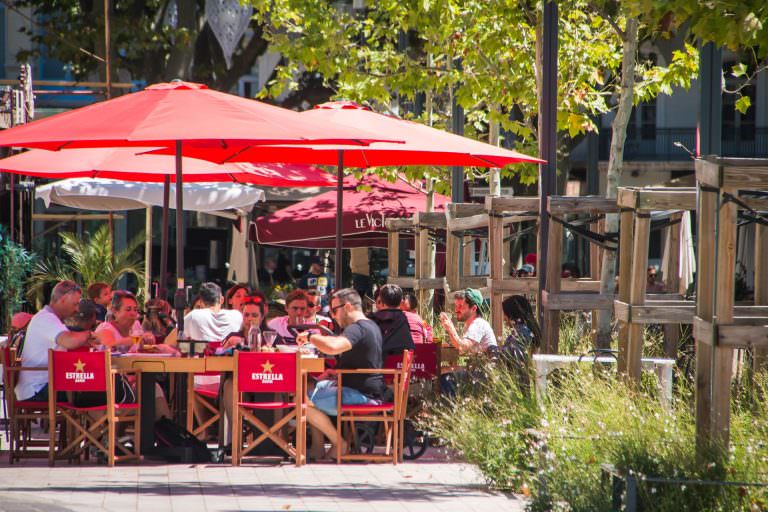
(361, 55)
(143, 44)
(552, 450)
(15, 264)
(89, 260)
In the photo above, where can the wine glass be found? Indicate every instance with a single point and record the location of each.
(269, 338)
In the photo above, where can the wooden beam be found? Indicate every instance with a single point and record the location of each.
(639, 279)
(426, 220)
(452, 271)
(646, 314)
(704, 331)
(468, 223)
(743, 336)
(561, 205)
(626, 241)
(402, 282)
(511, 204)
(671, 277)
(574, 301)
(393, 254)
(551, 330)
(761, 284)
(708, 173)
(398, 224)
(457, 210)
(473, 282)
(657, 199)
(496, 250)
(705, 265)
(725, 286)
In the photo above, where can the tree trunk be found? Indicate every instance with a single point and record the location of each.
(182, 55)
(615, 165)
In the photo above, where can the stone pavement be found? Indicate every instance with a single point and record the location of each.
(429, 484)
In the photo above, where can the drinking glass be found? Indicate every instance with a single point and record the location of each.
(269, 338)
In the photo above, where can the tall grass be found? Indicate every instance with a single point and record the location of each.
(553, 449)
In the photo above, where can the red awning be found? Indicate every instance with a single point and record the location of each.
(312, 223)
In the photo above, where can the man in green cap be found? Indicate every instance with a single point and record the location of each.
(478, 333)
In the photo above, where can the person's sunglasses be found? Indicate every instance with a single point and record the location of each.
(334, 308)
(253, 299)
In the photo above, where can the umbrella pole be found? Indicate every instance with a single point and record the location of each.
(163, 285)
(339, 225)
(148, 253)
(180, 299)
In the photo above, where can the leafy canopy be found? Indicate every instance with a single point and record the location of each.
(483, 51)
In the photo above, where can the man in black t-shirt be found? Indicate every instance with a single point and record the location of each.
(395, 329)
(358, 346)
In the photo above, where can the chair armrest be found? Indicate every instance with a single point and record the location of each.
(126, 371)
(27, 369)
(386, 371)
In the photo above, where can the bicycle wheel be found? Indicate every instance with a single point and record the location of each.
(366, 437)
(415, 442)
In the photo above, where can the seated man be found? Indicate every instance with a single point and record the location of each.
(478, 334)
(358, 346)
(47, 331)
(395, 328)
(296, 305)
(211, 322)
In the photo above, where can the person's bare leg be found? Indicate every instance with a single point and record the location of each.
(322, 423)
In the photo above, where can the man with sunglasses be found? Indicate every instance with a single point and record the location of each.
(358, 347)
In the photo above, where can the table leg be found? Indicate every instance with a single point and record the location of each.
(148, 381)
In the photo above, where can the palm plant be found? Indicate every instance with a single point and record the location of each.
(90, 260)
(15, 264)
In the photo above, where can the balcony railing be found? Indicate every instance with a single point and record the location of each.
(662, 148)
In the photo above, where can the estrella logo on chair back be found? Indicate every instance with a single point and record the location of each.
(79, 371)
(266, 372)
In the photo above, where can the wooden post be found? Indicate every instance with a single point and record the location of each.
(626, 237)
(496, 248)
(671, 275)
(725, 286)
(637, 288)
(705, 278)
(551, 331)
(393, 255)
(761, 284)
(468, 249)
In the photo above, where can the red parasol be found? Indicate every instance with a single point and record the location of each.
(173, 114)
(126, 164)
(312, 223)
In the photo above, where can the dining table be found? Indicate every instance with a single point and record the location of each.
(151, 365)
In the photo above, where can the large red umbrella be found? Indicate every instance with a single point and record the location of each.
(133, 164)
(312, 223)
(126, 164)
(422, 145)
(174, 114)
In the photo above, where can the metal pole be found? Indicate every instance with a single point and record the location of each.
(180, 299)
(12, 186)
(457, 127)
(547, 141)
(162, 283)
(709, 130)
(107, 50)
(339, 224)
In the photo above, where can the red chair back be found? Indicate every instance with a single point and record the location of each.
(79, 371)
(266, 372)
(424, 364)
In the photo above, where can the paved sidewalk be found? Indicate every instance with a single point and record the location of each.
(426, 485)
